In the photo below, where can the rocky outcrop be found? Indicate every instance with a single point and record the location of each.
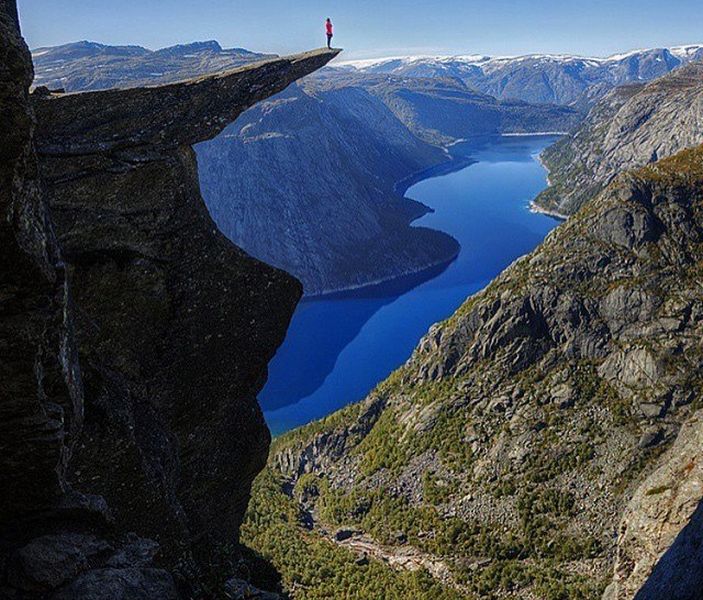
(659, 550)
(631, 127)
(170, 399)
(512, 441)
(128, 477)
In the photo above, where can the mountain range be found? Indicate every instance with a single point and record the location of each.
(93, 66)
(538, 78)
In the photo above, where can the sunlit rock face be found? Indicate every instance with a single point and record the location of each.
(630, 127)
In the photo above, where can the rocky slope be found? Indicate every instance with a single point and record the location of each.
(540, 78)
(127, 477)
(632, 126)
(327, 212)
(525, 427)
(332, 217)
(659, 541)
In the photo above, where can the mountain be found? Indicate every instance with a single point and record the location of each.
(441, 110)
(92, 66)
(333, 216)
(539, 78)
(526, 432)
(631, 126)
(130, 427)
(328, 212)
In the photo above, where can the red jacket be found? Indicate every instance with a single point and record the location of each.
(328, 27)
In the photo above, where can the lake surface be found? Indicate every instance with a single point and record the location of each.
(339, 347)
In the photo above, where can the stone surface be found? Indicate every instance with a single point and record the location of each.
(175, 324)
(40, 391)
(120, 584)
(49, 561)
(172, 324)
(630, 127)
(660, 543)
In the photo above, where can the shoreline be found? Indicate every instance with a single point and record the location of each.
(536, 133)
(438, 266)
(400, 187)
(537, 209)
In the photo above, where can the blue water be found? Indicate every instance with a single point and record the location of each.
(338, 348)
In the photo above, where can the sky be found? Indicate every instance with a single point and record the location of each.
(372, 28)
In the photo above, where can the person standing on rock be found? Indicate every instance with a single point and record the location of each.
(329, 28)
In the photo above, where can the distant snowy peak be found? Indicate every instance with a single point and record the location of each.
(684, 53)
(539, 78)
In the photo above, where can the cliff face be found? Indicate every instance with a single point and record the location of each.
(632, 126)
(327, 211)
(40, 387)
(174, 327)
(170, 397)
(659, 551)
(503, 455)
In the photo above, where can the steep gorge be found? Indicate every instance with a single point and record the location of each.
(524, 428)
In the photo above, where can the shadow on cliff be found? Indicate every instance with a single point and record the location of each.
(678, 573)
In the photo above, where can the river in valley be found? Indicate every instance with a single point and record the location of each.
(339, 347)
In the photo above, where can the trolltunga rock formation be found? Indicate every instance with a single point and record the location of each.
(128, 475)
(175, 325)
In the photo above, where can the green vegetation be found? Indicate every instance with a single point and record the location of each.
(546, 580)
(658, 490)
(314, 568)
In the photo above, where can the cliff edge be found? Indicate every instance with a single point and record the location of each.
(130, 473)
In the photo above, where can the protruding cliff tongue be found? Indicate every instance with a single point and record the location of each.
(176, 114)
(175, 325)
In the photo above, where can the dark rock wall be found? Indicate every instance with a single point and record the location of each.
(174, 327)
(40, 393)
